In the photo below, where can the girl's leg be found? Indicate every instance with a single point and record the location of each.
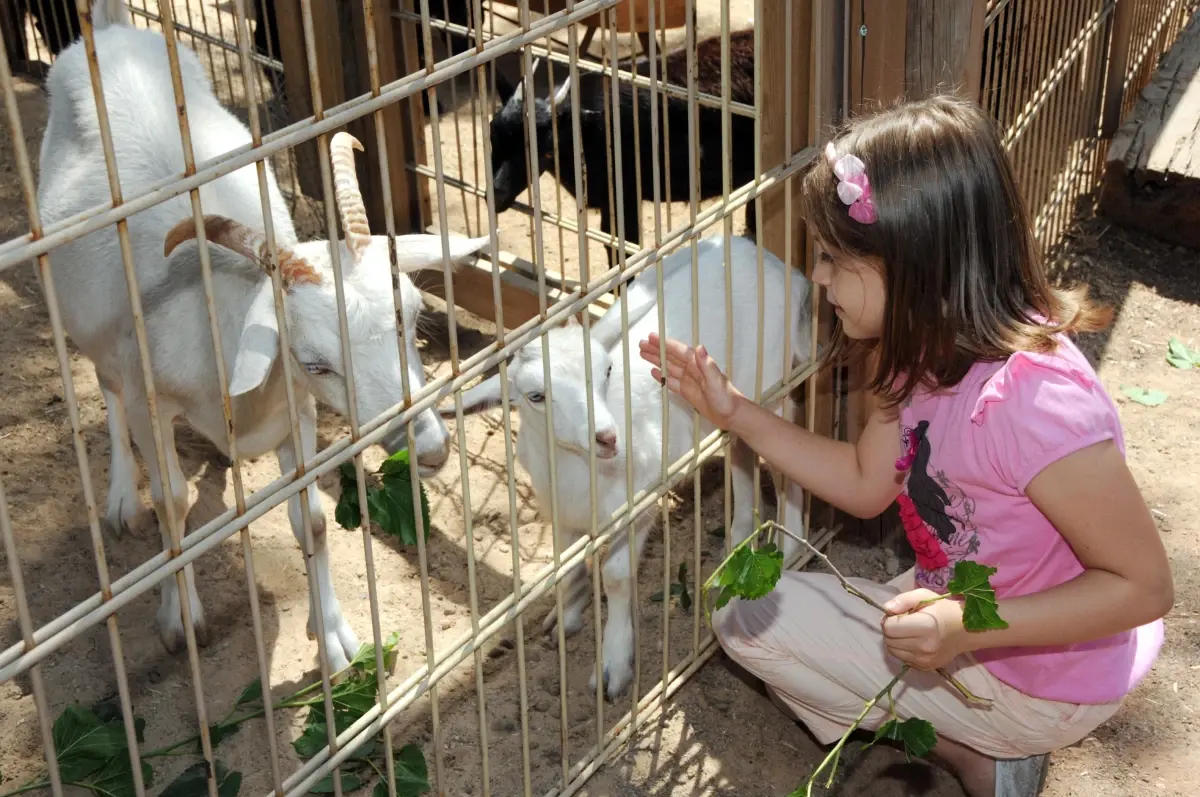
(820, 652)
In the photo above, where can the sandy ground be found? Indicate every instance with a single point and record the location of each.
(718, 736)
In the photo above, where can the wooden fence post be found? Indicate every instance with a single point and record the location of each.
(1118, 61)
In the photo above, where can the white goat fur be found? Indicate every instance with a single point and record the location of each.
(89, 276)
(569, 398)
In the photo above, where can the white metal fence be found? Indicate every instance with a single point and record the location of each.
(480, 555)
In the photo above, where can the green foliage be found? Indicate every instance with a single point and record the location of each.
(749, 574)
(916, 735)
(93, 754)
(1180, 356)
(1144, 396)
(193, 781)
(679, 590)
(389, 499)
(970, 582)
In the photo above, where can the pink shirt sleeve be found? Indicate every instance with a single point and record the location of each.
(1039, 408)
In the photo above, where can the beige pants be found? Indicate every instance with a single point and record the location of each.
(820, 652)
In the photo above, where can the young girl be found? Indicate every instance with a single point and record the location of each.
(992, 433)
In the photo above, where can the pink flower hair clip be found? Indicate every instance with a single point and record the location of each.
(854, 189)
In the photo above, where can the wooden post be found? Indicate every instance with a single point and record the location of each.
(1118, 62)
(945, 38)
(398, 131)
(328, 51)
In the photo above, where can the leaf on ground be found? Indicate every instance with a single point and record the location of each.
(412, 774)
(752, 574)
(971, 583)
(252, 694)
(109, 712)
(219, 732)
(1145, 396)
(193, 781)
(352, 698)
(350, 782)
(364, 660)
(115, 778)
(84, 743)
(347, 513)
(312, 741)
(1180, 356)
(917, 735)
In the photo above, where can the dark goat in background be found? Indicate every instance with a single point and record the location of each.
(510, 151)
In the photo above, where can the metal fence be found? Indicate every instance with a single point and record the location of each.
(493, 707)
(472, 686)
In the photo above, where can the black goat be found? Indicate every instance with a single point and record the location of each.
(509, 148)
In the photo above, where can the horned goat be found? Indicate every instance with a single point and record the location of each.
(569, 390)
(89, 276)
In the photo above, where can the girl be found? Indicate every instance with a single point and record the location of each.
(991, 431)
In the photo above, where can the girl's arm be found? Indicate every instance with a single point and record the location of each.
(1092, 499)
(858, 478)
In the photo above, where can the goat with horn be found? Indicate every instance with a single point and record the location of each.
(90, 279)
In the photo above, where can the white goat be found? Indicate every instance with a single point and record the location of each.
(569, 399)
(96, 309)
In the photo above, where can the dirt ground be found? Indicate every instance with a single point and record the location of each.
(718, 736)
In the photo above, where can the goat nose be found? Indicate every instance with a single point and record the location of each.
(434, 458)
(606, 438)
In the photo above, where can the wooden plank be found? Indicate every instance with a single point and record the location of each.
(1151, 178)
(473, 291)
(632, 16)
(328, 49)
(398, 129)
(877, 60)
(945, 40)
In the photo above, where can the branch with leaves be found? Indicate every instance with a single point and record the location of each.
(389, 499)
(92, 752)
(750, 574)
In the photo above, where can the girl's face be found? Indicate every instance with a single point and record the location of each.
(855, 289)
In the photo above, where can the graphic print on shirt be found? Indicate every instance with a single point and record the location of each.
(936, 514)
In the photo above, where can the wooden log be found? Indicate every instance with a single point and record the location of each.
(1151, 177)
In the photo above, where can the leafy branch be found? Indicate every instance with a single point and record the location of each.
(750, 574)
(93, 753)
(389, 499)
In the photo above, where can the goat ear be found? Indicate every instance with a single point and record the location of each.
(504, 88)
(484, 396)
(416, 252)
(258, 347)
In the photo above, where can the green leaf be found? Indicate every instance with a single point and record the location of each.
(917, 735)
(752, 574)
(364, 660)
(220, 731)
(251, 694)
(1145, 396)
(685, 599)
(970, 582)
(412, 775)
(350, 782)
(109, 713)
(347, 513)
(391, 506)
(84, 743)
(193, 781)
(312, 741)
(115, 778)
(1180, 355)
(396, 464)
(365, 751)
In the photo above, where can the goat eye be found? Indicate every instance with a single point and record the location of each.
(608, 373)
(535, 398)
(317, 369)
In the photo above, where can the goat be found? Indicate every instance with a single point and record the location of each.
(96, 308)
(510, 149)
(527, 392)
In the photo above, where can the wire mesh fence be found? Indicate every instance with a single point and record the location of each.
(569, 163)
(172, 192)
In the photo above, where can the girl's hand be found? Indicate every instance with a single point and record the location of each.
(691, 373)
(928, 638)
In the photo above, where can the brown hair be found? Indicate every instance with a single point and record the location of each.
(964, 278)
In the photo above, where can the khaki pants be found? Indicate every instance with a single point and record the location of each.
(820, 652)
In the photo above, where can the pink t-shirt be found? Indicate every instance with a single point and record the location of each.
(978, 445)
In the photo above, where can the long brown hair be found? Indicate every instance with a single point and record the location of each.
(964, 278)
